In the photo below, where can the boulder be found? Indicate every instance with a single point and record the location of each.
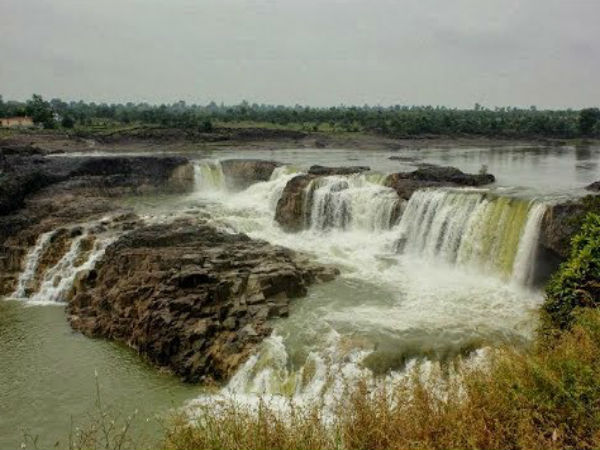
(406, 183)
(290, 212)
(190, 298)
(325, 171)
(594, 187)
(242, 173)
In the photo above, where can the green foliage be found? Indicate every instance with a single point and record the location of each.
(40, 111)
(577, 282)
(395, 121)
(67, 122)
(589, 119)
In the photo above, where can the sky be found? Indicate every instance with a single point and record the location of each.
(312, 52)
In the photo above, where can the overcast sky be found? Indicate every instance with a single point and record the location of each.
(317, 52)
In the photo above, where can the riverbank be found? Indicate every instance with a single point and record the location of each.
(147, 138)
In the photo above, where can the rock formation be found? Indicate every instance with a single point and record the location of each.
(241, 173)
(290, 212)
(406, 183)
(189, 297)
(40, 193)
(325, 171)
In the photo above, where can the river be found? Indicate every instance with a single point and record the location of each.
(451, 277)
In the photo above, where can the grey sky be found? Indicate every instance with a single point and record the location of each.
(317, 52)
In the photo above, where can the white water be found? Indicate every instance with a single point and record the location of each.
(58, 279)
(31, 264)
(493, 234)
(351, 202)
(524, 266)
(443, 294)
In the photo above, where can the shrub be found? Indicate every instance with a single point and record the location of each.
(577, 282)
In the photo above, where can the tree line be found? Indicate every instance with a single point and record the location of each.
(395, 121)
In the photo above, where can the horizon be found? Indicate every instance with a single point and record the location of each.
(220, 104)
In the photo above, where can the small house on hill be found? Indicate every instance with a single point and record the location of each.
(14, 122)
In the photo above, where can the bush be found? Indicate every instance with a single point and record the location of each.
(577, 282)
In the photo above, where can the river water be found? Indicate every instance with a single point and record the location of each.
(450, 277)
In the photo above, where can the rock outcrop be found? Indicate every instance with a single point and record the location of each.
(594, 187)
(290, 212)
(242, 173)
(562, 221)
(39, 193)
(188, 297)
(325, 171)
(406, 183)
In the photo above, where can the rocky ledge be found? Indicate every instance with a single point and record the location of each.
(40, 193)
(242, 173)
(406, 183)
(190, 298)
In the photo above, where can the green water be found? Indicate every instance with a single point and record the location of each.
(47, 379)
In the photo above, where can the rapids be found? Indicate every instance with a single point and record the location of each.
(444, 275)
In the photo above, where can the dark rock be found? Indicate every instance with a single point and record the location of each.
(561, 221)
(594, 187)
(242, 173)
(290, 214)
(202, 321)
(406, 183)
(324, 171)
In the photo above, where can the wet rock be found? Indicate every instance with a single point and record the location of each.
(39, 193)
(562, 220)
(190, 298)
(325, 171)
(406, 183)
(242, 173)
(594, 187)
(290, 210)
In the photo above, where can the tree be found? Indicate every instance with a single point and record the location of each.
(68, 122)
(588, 118)
(40, 111)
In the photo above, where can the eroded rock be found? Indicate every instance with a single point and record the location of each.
(242, 173)
(406, 183)
(189, 297)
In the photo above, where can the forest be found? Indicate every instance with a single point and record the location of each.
(393, 121)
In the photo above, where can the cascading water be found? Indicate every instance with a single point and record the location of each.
(497, 234)
(524, 266)
(354, 202)
(82, 254)
(208, 176)
(31, 264)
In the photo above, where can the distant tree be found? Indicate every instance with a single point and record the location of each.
(67, 122)
(40, 111)
(206, 126)
(588, 118)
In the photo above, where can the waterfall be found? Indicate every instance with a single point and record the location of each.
(208, 176)
(353, 202)
(31, 264)
(83, 253)
(524, 267)
(496, 234)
